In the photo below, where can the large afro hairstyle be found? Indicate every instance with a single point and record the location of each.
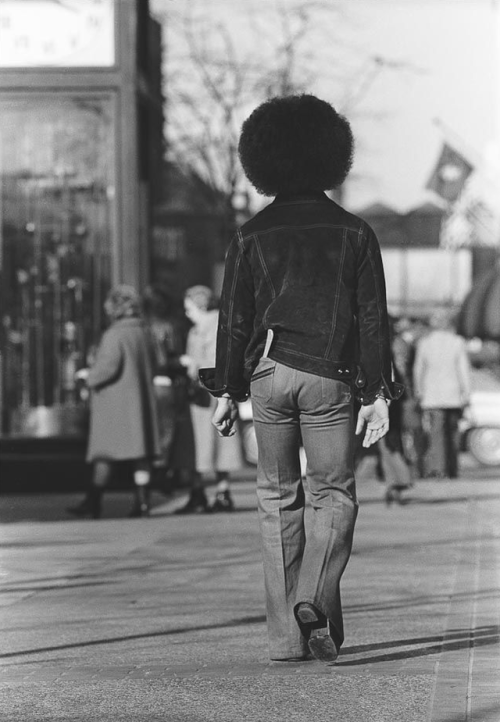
(295, 143)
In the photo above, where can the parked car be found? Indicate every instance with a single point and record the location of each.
(481, 421)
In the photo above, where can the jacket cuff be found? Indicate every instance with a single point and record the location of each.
(207, 380)
(391, 391)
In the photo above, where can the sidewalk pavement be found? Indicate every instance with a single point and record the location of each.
(162, 619)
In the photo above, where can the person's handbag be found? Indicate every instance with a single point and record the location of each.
(198, 395)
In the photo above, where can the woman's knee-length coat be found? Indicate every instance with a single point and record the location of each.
(123, 420)
(213, 453)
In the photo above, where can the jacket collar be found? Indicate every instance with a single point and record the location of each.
(304, 197)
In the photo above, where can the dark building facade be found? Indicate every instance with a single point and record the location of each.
(81, 144)
(191, 228)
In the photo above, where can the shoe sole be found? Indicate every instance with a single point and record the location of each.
(307, 615)
(323, 648)
(320, 643)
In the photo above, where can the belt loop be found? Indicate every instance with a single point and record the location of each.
(269, 340)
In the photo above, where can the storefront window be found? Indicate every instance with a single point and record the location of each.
(56, 236)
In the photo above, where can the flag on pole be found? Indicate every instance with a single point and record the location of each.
(450, 174)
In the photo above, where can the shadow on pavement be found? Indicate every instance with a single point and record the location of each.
(372, 548)
(34, 508)
(38, 544)
(171, 512)
(456, 640)
(413, 501)
(480, 712)
(421, 601)
(165, 633)
(52, 587)
(452, 499)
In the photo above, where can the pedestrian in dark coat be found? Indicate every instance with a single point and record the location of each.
(176, 464)
(123, 420)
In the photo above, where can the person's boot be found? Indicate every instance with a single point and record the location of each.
(223, 501)
(389, 496)
(196, 504)
(141, 504)
(90, 507)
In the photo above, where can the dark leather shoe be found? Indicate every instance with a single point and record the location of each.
(223, 502)
(138, 511)
(196, 504)
(90, 507)
(315, 624)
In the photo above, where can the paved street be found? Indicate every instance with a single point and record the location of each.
(162, 619)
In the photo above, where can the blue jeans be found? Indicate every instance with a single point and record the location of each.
(302, 564)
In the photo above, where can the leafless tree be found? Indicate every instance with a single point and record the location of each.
(212, 82)
(214, 78)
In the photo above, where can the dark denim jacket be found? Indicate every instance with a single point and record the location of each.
(312, 273)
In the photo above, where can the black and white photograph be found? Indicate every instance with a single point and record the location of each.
(250, 360)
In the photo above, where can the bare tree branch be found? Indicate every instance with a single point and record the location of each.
(213, 78)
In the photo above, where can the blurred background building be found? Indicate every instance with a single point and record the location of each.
(119, 124)
(81, 148)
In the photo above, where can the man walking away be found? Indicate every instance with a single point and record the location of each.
(303, 305)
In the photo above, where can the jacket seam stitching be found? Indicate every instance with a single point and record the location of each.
(380, 342)
(306, 355)
(305, 201)
(239, 238)
(337, 296)
(262, 232)
(230, 319)
(360, 236)
(265, 269)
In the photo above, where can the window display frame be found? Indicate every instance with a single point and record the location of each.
(47, 389)
(120, 83)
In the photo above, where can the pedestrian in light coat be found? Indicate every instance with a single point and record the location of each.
(213, 455)
(123, 420)
(441, 379)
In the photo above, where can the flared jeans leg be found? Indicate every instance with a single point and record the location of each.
(281, 515)
(292, 406)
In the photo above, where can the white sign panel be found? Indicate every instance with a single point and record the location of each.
(57, 33)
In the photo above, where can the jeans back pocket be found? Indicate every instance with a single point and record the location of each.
(261, 383)
(335, 392)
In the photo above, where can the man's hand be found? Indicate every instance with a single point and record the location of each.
(224, 417)
(376, 418)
